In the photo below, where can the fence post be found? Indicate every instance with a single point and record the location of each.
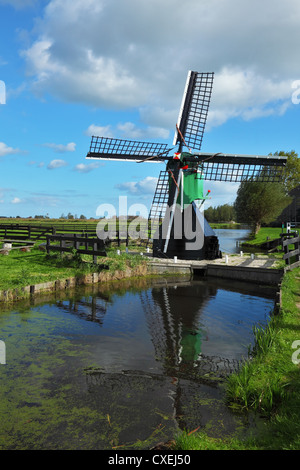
(75, 241)
(95, 256)
(47, 244)
(297, 247)
(286, 251)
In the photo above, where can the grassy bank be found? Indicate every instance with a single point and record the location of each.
(264, 234)
(268, 384)
(21, 269)
(227, 225)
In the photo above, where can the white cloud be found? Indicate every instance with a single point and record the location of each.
(220, 193)
(128, 130)
(101, 131)
(56, 164)
(86, 168)
(16, 200)
(145, 186)
(245, 94)
(60, 148)
(138, 57)
(5, 150)
(132, 131)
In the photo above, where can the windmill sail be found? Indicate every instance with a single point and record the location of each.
(186, 170)
(237, 168)
(160, 201)
(194, 109)
(118, 149)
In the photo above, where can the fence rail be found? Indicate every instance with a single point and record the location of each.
(287, 240)
(83, 245)
(24, 232)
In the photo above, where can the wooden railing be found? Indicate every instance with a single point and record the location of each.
(292, 238)
(24, 232)
(83, 245)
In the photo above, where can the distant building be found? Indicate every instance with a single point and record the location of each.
(292, 212)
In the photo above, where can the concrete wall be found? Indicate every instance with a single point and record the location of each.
(242, 273)
(238, 273)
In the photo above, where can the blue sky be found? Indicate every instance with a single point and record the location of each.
(117, 68)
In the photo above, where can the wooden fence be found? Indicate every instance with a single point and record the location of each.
(288, 240)
(16, 232)
(83, 245)
(36, 232)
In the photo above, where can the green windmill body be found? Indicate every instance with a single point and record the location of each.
(191, 183)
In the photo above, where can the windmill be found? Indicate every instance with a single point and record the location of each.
(178, 227)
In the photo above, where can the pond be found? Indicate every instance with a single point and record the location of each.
(125, 367)
(231, 239)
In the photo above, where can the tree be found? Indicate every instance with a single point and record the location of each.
(209, 214)
(259, 202)
(224, 213)
(292, 170)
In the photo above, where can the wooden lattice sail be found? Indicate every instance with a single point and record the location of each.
(178, 227)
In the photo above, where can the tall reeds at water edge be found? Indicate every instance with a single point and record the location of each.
(247, 389)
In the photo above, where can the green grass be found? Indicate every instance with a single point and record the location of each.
(200, 441)
(267, 384)
(21, 269)
(223, 225)
(263, 234)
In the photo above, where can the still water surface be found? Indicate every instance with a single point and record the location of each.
(127, 366)
(230, 239)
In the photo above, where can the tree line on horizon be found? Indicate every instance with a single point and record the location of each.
(220, 214)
